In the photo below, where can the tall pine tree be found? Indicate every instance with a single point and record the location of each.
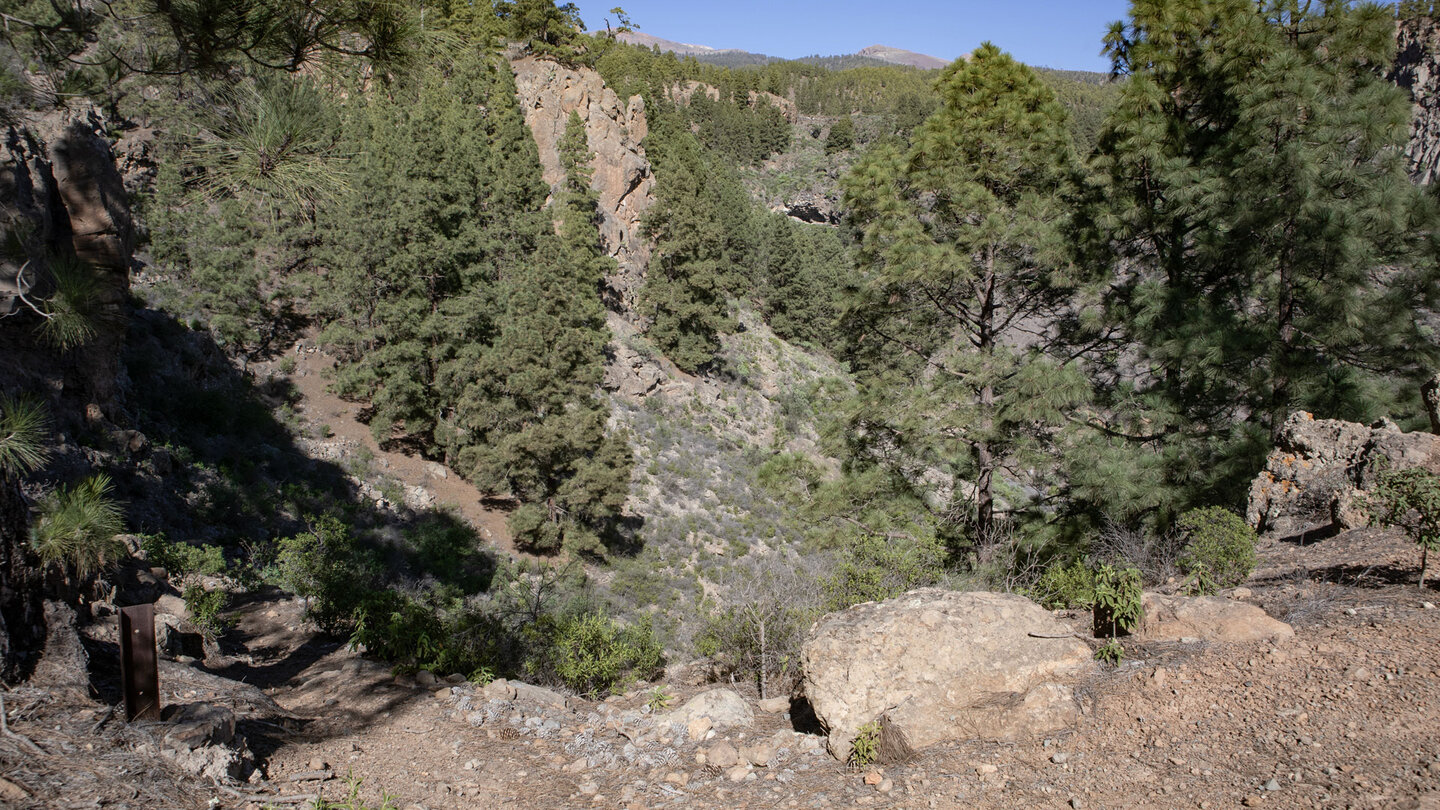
(962, 259)
(1258, 242)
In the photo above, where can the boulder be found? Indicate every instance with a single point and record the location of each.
(175, 637)
(198, 724)
(1212, 618)
(539, 696)
(1316, 477)
(940, 666)
(724, 707)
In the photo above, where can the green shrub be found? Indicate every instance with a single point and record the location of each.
(874, 568)
(205, 607)
(182, 559)
(327, 567)
(594, 654)
(1065, 586)
(78, 526)
(1410, 499)
(1110, 652)
(1219, 549)
(1118, 600)
(865, 748)
(23, 428)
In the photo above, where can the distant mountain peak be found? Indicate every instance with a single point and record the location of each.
(900, 56)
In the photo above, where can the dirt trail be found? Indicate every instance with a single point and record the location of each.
(319, 407)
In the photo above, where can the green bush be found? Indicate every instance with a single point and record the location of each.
(1219, 549)
(205, 607)
(874, 568)
(1410, 499)
(865, 748)
(182, 559)
(1065, 586)
(78, 526)
(328, 568)
(594, 654)
(1118, 604)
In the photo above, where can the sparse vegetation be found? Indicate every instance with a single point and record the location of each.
(1219, 550)
(78, 525)
(1410, 499)
(1118, 604)
(865, 748)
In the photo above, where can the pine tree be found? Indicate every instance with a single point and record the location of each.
(684, 291)
(537, 429)
(960, 251)
(1259, 243)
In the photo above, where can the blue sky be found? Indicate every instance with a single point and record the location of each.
(1044, 33)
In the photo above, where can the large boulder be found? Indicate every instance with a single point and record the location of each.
(943, 666)
(1316, 477)
(1172, 618)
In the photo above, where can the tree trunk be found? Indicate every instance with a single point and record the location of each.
(1430, 392)
(22, 612)
(984, 453)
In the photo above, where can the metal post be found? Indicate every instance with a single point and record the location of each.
(139, 665)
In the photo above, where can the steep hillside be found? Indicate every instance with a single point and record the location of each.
(900, 56)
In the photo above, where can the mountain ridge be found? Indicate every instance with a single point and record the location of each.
(881, 53)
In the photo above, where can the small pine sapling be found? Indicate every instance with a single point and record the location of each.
(1410, 499)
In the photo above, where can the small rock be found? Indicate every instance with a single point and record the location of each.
(12, 792)
(442, 694)
(722, 755)
(885, 786)
(589, 788)
(1272, 785)
(1060, 758)
(1253, 801)
(737, 773)
(578, 766)
(318, 764)
(775, 705)
(987, 768)
(1427, 605)
(758, 754)
(1240, 593)
(1076, 804)
(676, 778)
(426, 678)
(698, 727)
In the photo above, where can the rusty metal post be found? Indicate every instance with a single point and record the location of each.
(139, 665)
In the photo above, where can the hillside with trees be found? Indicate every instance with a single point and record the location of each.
(700, 351)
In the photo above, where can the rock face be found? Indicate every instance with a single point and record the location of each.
(943, 666)
(1417, 69)
(61, 194)
(1171, 618)
(813, 208)
(548, 93)
(1316, 476)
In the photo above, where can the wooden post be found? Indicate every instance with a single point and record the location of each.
(139, 665)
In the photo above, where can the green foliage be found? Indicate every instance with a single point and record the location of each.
(182, 559)
(1410, 499)
(205, 607)
(684, 292)
(1065, 586)
(329, 569)
(841, 136)
(1247, 188)
(865, 748)
(78, 526)
(24, 426)
(595, 655)
(873, 568)
(352, 800)
(1118, 604)
(72, 312)
(1219, 549)
(960, 248)
(1110, 652)
(660, 699)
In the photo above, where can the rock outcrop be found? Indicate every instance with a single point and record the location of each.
(1315, 478)
(1417, 69)
(684, 91)
(1209, 618)
(939, 665)
(816, 209)
(548, 93)
(61, 196)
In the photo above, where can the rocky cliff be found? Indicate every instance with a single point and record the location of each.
(61, 197)
(1417, 69)
(548, 93)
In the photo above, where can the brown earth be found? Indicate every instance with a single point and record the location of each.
(1343, 715)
